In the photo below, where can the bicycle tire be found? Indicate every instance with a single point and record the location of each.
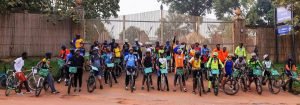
(32, 82)
(233, 87)
(70, 85)
(46, 86)
(199, 86)
(148, 82)
(39, 87)
(91, 84)
(180, 82)
(110, 79)
(258, 86)
(119, 71)
(131, 83)
(216, 85)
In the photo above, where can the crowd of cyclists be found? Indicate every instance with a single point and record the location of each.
(161, 60)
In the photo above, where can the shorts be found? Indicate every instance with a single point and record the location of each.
(98, 73)
(21, 76)
(228, 73)
(288, 73)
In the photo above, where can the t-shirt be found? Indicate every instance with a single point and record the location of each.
(229, 66)
(220, 54)
(117, 52)
(148, 62)
(162, 63)
(267, 64)
(126, 47)
(240, 51)
(204, 58)
(214, 63)
(63, 54)
(76, 61)
(18, 65)
(196, 63)
(239, 64)
(78, 42)
(225, 55)
(130, 60)
(96, 60)
(108, 58)
(192, 52)
(254, 64)
(179, 58)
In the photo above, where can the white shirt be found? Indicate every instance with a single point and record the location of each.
(19, 63)
(164, 63)
(268, 64)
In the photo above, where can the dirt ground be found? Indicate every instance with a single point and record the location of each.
(117, 95)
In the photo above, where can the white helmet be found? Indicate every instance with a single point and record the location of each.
(126, 40)
(253, 54)
(136, 39)
(265, 56)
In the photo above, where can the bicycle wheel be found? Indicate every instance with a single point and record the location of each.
(32, 81)
(131, 83)
(231, 87)
(9, 85)
(163, 82)
(91, 84)
(118, 71)
(110, 79)
(39, 87)
(180, 82)
(216, 85)
(274, 85)
(199, 86)
(70, 85)
(46, 86)
(258, 86)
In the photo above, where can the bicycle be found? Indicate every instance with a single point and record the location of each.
(275, 81)
(110, 69)
(148, 72)
(231, 86)
(199, 82)
(41, 82)
(132, 74)
(163, 81)
(243, 79)
(3, 78)
(258, 80)
(215, 81)
(91, 82)
(118, 68)
(180, 73)
(12, 83)
(72, 71)
(33, 78)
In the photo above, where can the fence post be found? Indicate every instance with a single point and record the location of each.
(124, 29)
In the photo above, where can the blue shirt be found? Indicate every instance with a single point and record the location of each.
(204, 50)
(130, 60)
(69, 56)
(108, 58)
(229, 66)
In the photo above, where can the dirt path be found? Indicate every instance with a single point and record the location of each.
(117, 95)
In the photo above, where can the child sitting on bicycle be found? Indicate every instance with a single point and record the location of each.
(18, 66)
(253, 63)
(147, 63)
(108, 59)
(290, 71)
(267, 65)
(45, 64)
(97, 62)
(179, 65)
(162, 67)
(229, 64)
(196, 69)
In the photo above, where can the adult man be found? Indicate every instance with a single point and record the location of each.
(204, 50)
(131, 63)
(214, 63)
(219, 51)
(126, 47)
(112, 44)
(78, 41)
(225, 54)
(240, 50)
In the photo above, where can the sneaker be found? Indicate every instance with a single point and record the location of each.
(20, 94)
(194, 92)
(126, 88)
(143, 88)
(158, 89)
(29, 92)
(152, 87)
(184, 89)
(79, 89)
(168, 89)
(59, 80)
(116, 82)
(101, 87)
(55, 92)
(75, 90)
(134, 88)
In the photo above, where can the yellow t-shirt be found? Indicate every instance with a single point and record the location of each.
(117, 52)
(78, 42)
(196, 63)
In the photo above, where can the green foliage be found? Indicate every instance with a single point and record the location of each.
(190, 7)
(61, 9)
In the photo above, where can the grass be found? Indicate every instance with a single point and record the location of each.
(29, 63)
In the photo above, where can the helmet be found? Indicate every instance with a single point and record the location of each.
(126, 40)
(215, 54)
(265, 56)
(253, 54)
(161, 51)
(95, 48)
(230, 55)
(136, 39)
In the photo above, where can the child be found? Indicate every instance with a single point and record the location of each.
(147, 63)
(229, 64)
(162, 64)
(196, 68)
(267, 65)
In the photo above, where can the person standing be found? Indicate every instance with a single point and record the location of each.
(18, 66)
(219, 51)
(225, 54)
(240, 51)
(77, 61)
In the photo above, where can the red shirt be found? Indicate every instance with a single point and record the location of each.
(63, 54)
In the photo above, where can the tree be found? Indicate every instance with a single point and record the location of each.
(132, 32)
(190, 7)
(61, 9)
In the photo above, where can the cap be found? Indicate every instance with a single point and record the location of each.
(215, 54)
(265, 56)
(126, 40)
(253, 54)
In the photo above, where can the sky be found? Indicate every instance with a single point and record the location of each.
(139, 6)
